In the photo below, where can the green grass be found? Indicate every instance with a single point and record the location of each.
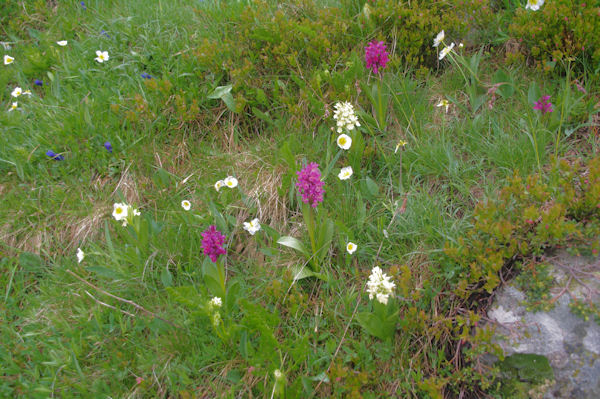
(63, 338)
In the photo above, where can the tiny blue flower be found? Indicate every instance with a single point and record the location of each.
(146, 76)
(38, 82)
(83, 5)
(103, 32)
(108, 146)
(55, 156)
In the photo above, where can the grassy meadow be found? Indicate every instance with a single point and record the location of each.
(460, 180)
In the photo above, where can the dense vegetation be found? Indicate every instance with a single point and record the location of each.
(367, 191)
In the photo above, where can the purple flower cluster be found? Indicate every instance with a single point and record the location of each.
(212, 243)
(108, 146)
(376, 56)
(310, 185)
(146, 76)
(543, 105)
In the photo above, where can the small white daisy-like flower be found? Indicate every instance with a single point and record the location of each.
(534, 5)
(252, 226)
(80, 255)
(461, 45)
(62, 43)
(380, 285)
(345, 173)
(219, 184)
(278, 374)
(136, 212)
(345, 117)
(27, 93)
(439, 38)
(8, 59)
(16, 92)
(101, 56)
(120, 211)
(230, 182)
(216, 302)
(444, 103)
(186, 205)
(13, 106)
(445, 51)
(344, 141)
(351, 247)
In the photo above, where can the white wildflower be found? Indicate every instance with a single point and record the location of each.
(101, 56)
(380, 285)
(344, 141)
(80, 255)
(345, 117)
(534, 5)
(345, 173)
(186, 205)
(16, 92)
(230, 182)
(252, 226)
(8, 59)
(216, 302)
(63, 43)
(351, 247)
(445, 51)
(438, 39)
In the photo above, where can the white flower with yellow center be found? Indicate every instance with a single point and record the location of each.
(438, 39)
(16, 92)
(8, 59)
(345, 173)
(101, 56)
(230, 182)
(186, 205)
(216, 302)
(80, 255)
(380, 285)
(120, 211)
(27, 93)
(445, 51)
(345, 117)
(344, 141)
(13, 106)
(219, 184)
(351, 247)
(62, 43)
(534, 5)
(252, 226)
(444, 103)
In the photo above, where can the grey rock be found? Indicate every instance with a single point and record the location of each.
(571, 344)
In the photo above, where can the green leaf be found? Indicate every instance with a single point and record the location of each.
(105, 272)
(30, 262)
(224, 93)
(372, 186)
(166, 277)
(533, 94)
(219, 92)
(294, 243)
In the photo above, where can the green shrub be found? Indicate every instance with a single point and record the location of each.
(558, 30)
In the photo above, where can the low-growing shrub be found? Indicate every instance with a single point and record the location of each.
(559, 29)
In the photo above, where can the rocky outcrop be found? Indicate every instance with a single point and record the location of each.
(569, 342)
